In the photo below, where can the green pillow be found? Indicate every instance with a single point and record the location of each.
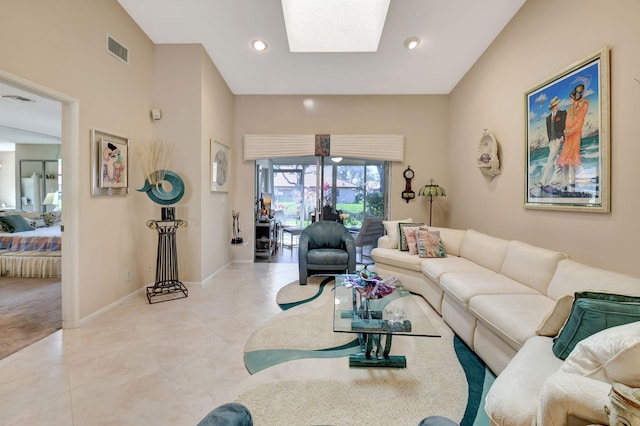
(591, 313)
(16, 223)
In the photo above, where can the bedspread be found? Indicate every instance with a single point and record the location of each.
(41, 239)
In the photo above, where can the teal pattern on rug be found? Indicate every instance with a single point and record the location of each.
(479, 377)
(479, 380)
(287, 306)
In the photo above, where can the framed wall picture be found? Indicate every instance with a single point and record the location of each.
(567, 139)
(220, 167)
(109, 164)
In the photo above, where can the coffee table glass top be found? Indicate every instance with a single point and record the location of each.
(397, 313)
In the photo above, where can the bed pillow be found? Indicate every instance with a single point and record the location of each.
(16, 223)
(430, 244)
(391, 228)
(611, 355)
(553, 322)
(592, 312)
(402, 234)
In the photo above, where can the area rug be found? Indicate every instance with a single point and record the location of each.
(443, 377)
(30, 309)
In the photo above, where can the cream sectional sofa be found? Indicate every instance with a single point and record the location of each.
(495, 294)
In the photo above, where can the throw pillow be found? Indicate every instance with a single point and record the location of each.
(592, 312)
(391, 228)
(611, 355)
(430, 244)
(553, 322)
(15, 223)
(412, 241)
(38, 223)
(51, 218)
(402, 236)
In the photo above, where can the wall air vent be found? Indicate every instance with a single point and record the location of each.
(117, 49)
(16, 98)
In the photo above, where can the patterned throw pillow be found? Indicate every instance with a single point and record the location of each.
(430, 244)
(51, 218)
(412, 241)
(402, 236)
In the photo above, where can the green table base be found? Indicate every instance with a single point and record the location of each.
(395, 361)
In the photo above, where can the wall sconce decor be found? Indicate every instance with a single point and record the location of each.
(488, 158)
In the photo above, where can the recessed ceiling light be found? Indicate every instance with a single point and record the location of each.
(259, 45)
(334, 25)
(411, 43)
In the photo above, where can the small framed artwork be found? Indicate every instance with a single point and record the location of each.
(567, 139)
(109, 164)
(220, 167)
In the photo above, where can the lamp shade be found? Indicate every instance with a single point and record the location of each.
(432, 190)
(51, 199)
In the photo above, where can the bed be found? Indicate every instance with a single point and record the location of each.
(35, 253)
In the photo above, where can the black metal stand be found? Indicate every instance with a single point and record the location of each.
(167, 286)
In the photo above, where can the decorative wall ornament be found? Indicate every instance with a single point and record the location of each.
(220, 167)
(488, 156)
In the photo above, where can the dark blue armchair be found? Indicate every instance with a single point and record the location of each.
(326, 247)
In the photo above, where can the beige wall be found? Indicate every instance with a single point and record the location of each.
(544, 38)
(421, 119)
(197, 106)
(64, 50)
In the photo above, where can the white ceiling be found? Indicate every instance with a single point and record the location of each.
(28, 122)
(454, 34)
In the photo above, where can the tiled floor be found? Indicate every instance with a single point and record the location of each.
(163, 364)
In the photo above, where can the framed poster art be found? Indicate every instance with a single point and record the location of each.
(567, 139)
(220, 167)
(109, 163)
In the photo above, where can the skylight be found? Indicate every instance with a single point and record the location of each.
(334, 25)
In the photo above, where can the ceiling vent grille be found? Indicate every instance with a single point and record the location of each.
(16, 98)
(117, 49)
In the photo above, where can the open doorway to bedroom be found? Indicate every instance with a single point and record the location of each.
(30, 216)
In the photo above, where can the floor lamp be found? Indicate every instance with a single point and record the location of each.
(432, 190)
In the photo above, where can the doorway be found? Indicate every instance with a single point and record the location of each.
(302, 190)
(68, 154)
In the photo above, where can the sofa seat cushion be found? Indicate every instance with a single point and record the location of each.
(435, 267)
(395, 257)
(513, 397)
(462, 286)
(513, 317)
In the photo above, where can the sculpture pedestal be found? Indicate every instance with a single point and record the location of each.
(167, 285)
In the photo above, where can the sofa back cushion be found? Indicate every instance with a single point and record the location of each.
(572, 277)
(530, 265)
(483, 249)
(451, 239)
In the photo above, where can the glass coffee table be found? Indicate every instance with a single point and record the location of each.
(376, 321)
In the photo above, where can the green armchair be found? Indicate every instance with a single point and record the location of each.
(325, 247)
